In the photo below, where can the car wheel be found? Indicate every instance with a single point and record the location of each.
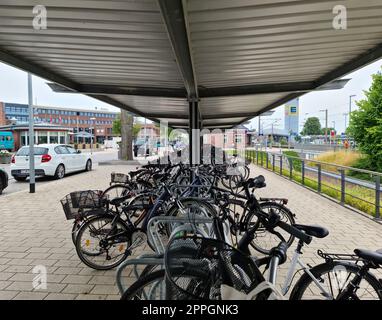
(60, 172)
(20, 178)
(88, 165)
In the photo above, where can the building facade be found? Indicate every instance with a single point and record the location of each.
(44, 133)
(98, 122)
(291, 118)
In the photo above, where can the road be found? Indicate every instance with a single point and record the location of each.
(15, 186)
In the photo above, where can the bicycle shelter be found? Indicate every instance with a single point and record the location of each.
(195, 64)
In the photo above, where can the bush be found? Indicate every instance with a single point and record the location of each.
(296, 164)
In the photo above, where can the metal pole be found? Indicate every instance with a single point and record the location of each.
(273, 162)
(281, 165)
(319, 178)
(342, 186)
(32, 180)
(290, 168)
(326, 125)
(377, 197)
(266, 159)
(145, 145)
(303, 172)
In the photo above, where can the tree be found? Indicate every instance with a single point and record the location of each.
(117, 127)
(366, 124)
(312, 126)
(127, 121)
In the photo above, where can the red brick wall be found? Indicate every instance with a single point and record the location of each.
(2, 115)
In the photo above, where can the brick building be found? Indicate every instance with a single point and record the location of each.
(99, 122)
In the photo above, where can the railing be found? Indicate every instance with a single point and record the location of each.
(357, 188)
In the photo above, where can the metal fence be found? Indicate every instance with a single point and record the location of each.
(357, 188)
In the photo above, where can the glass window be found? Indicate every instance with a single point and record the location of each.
(62, 137)
(42, 137)
(61, 150)
(71, 150)
(24, 151)
(53, 137)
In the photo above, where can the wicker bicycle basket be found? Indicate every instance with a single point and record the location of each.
(119, 178)
(80, 202)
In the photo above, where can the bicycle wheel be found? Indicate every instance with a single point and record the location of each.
(102, 242)
(116, 191)
(264, 241)
(334, 277)
(155, 286)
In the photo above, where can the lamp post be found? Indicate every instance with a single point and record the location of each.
(350, 97)
(326, 124)
(92, 132)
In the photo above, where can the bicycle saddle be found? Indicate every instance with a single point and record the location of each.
(134, 173)
(258, 182)
(373, 256)
(313, 230)
(118, 201)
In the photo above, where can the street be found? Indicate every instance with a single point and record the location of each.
(16, 186)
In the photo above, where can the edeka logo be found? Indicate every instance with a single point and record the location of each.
(40, 21)
(340, 20)
(39, 281)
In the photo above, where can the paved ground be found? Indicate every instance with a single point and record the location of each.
(33, 231)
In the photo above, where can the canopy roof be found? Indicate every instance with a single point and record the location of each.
(151, 57)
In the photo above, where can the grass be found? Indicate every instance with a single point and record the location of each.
(357, 197)
(345, 158)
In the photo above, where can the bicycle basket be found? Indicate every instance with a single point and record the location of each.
(79, 202)
(119, 178)
(196, 267)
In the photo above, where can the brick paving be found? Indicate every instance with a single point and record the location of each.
(34, 231)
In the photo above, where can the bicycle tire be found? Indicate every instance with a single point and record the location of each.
(318, 271)
(84, 257)
(136, 289)
(285, 212)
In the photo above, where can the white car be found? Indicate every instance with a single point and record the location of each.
(54, 160)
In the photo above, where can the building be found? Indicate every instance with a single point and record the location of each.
(44, 133)
(150, 131)
(238, 137)
(98, 122)
(291, 118)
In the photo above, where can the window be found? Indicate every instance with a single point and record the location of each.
(61, 150)
(24, 151)
(42, 138)
(53, 137)
(71, 150)
(238, 138)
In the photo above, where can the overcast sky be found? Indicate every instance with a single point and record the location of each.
(13, 88)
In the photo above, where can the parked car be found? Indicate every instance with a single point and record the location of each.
(3, 180)
(50, 160)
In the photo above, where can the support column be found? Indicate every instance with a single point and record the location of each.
(194, 133)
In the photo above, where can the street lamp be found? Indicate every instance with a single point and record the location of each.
(92, 132)
(350, 97)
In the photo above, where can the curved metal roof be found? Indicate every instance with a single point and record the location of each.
(238, 58)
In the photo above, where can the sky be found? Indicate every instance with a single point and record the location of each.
(13, 88)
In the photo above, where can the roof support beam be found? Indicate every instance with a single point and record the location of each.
(203, 92)
(117, 90)
(176, 25)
